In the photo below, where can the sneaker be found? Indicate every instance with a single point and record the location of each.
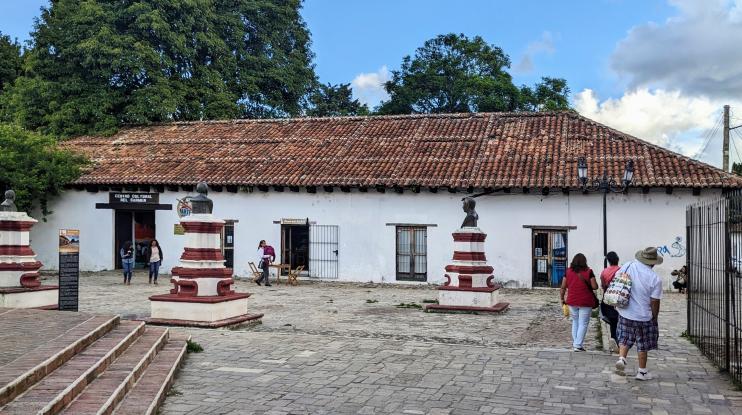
(257, 282)
(578, 349)
(268, 285)
(621, 363)
(643, 375)
(612, 345)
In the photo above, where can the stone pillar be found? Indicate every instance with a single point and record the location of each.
(202, 294)
(469, 284)
(19, 270)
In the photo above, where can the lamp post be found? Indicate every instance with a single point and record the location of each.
(605, 185)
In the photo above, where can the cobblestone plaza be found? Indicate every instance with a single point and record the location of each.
(329, 348)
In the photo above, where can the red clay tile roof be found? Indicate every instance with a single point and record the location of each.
(485, 150)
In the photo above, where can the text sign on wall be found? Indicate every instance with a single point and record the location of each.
(133, 198)
(69, 269)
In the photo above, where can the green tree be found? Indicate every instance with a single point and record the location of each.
(551, 94)
(97, 64)
(10, 61)
(333, 101)
(737, 169)
(35, 167)
(452, 73)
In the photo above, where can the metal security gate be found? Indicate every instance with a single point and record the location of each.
(323, 251)
(714, 234)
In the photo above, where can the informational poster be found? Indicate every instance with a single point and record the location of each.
(538, 252)
(69, 269)
(541, 266)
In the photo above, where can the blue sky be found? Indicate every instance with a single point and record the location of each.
(658, 69)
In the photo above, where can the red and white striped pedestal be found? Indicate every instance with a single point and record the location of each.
(19, 270)
(202, 294)
(469, 282)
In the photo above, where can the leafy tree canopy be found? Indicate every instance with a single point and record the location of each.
(452, 73)
(97, 64)
(34, 167)
(333, 101)
(10, 61)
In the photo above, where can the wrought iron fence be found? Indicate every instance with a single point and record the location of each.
(714, 235)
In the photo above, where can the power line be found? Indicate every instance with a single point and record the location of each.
(710, 134)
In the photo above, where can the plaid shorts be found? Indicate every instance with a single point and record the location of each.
(644, 333)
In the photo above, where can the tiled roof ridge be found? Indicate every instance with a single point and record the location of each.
(357, 117)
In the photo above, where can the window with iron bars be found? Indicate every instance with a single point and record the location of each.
(412, 253)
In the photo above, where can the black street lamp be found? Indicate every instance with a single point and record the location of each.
(605, 185)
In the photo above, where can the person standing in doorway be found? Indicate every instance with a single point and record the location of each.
(127, 261)
(610, 315)
(266, 255)
(578, 285)
(154, 259)
(637, 322)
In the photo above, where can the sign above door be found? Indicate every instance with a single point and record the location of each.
(133, 198)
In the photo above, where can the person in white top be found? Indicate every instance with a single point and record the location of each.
(637, 322)
(264, 257)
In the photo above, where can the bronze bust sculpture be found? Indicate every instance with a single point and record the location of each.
(471, 215)
(201, 203)
(8, 204)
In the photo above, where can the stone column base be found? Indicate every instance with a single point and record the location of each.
(460, 299)
(207, 312)
(44, 296)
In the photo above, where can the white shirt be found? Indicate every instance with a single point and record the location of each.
(645, 285)
(260, 254)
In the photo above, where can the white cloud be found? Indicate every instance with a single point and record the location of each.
(697, 51)
(667, 118)
(543, 45)
(369, 87)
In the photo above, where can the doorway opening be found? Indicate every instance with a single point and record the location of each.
(549, 250)
(137, 226)
(295, 245)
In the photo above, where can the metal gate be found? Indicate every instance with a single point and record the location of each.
(714, 234)
(323, 251)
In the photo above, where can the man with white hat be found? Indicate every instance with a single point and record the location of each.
(637, 322)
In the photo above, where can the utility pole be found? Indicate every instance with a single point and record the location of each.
(725, 154)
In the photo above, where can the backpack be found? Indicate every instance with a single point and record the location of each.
(619, 291)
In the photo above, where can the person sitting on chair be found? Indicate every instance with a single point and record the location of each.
(681, 279)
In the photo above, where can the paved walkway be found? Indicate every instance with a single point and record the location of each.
(328, 348)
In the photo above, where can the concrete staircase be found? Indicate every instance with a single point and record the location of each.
(103, 365)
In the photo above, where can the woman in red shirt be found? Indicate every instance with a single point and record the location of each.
(609, 312)
(578, 285)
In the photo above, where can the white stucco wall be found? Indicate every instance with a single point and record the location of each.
(367, 244)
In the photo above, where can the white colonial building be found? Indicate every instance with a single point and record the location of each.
(377, 198)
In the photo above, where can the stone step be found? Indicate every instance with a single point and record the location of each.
(58, 346)
(59, 388)
(108, 389)
(149, 393)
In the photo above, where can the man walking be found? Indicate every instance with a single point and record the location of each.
(637, 322)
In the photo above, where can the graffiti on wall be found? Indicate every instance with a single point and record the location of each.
(676, 249)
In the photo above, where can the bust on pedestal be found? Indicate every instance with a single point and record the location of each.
(202, 294)
(469, 282)
(19, 270)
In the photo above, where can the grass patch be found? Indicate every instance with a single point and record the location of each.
(174, 392)
(194, 347)
(430, 301)
(410, 305)
(685, 335)
(595, 313)
(599, 335)
(371, 301)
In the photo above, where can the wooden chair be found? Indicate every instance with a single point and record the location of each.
(256, 274)
(294, 275)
